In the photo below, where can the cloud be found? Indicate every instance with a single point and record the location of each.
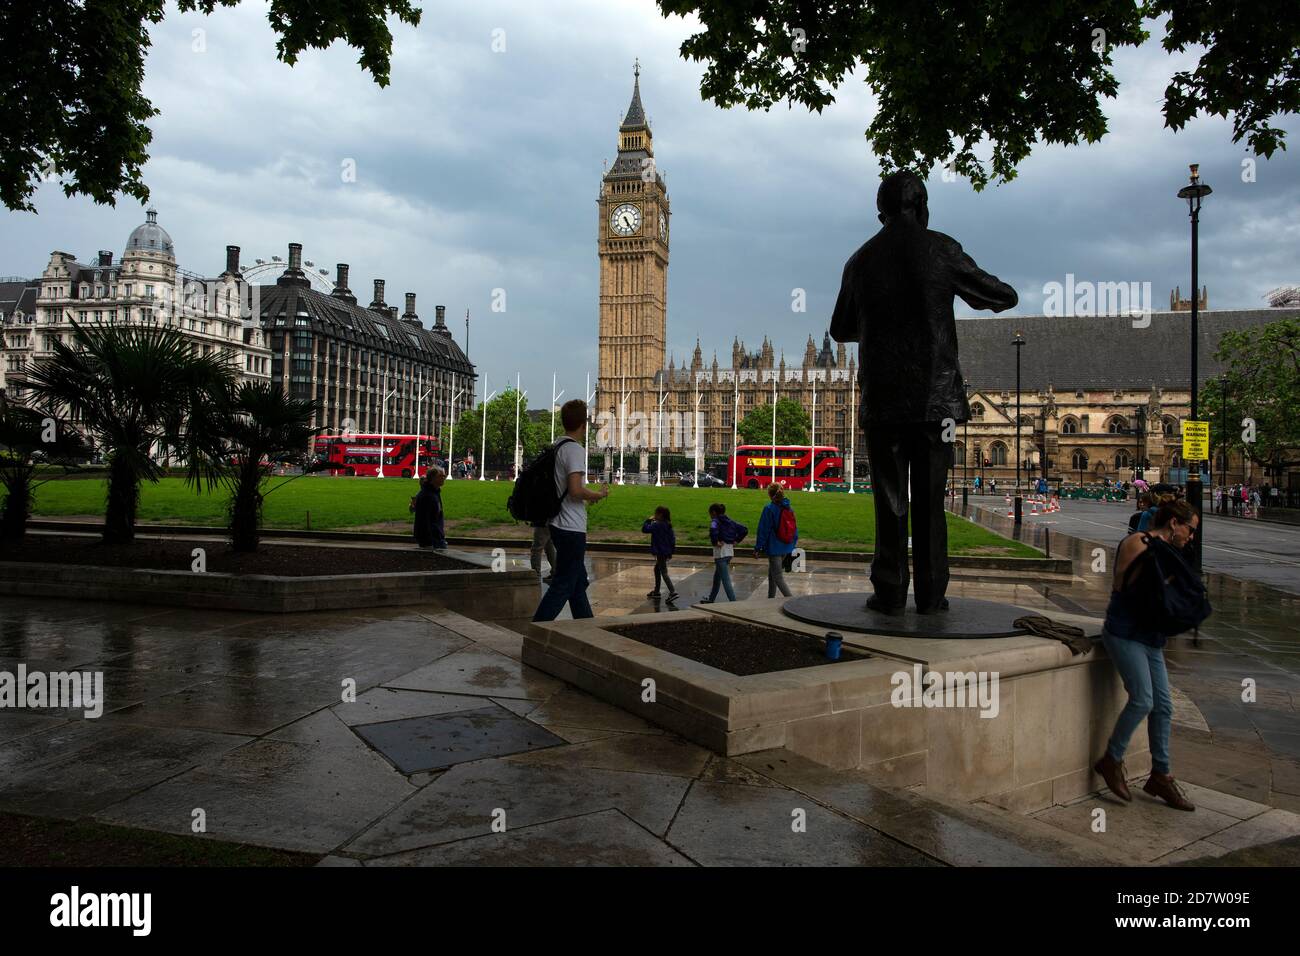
(478, 170)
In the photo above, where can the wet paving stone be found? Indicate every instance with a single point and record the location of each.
(83, 766)
(728, 825)
(310, 788)
(465, 801)
(443, 740)
(605, 838)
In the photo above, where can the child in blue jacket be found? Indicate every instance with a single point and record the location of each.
(662, 544)
(768, 543)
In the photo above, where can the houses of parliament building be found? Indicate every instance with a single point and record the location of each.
(1099, 395)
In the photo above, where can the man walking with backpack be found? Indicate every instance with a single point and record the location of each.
(568, 521)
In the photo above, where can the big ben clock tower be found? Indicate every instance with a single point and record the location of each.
(633, 247)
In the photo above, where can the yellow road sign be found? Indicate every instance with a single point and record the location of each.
(1196, 441)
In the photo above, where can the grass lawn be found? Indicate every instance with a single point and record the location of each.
(826, 520)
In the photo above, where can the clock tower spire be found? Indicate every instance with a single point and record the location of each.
(632, 246)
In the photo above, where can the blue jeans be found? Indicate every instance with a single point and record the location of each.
(722, 578)
(1142, 668)
(569, 577)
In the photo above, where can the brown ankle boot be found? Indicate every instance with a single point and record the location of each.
(1112, 771)
(1164, 786)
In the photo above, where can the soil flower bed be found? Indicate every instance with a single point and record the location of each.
(740, 649)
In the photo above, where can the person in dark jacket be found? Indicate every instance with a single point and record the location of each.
(895, 302)
(767, 542)
(428, 510)
(1135, 647)
(662, 544)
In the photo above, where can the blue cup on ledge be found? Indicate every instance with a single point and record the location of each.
(834, 641)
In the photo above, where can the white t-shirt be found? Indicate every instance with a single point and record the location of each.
(724, 549)
(573, 512)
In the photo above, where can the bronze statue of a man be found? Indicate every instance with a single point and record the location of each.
(896, 302)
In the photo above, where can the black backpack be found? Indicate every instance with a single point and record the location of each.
(1175, 600)
(534, 498)
(731, 531)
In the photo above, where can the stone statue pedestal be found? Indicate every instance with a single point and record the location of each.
(966, 618)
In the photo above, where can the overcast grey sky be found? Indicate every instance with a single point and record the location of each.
(478, 170)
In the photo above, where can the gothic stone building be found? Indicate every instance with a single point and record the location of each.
(1098, 395)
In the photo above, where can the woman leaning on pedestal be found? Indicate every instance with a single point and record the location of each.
(1155, 595)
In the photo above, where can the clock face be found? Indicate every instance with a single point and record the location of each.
(626, 219)
(663, 225)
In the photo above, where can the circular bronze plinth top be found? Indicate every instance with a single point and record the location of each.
(965, 617)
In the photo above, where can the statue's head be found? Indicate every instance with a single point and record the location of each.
(902, 196)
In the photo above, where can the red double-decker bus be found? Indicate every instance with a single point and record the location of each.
(358, 455)
(752, 466)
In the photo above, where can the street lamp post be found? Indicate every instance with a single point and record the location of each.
(1194, 192)
(451, 425)
(965, 453)
(812, 452)
(695, 460)
(383, 427)
(482, 465)
(419, 404)
(555, 398)
(519, 397)
(622, 427)
(853, 429)
(659, 439)
(1223, 476)
(774, 427)
(586, 438)
(1019, 343)
(735, 427)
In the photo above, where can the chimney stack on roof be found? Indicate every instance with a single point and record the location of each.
(409, 316)
(341, 289)
(105, 257)
(378, 302)
(232, 260)
(440, 322)
(293, 274)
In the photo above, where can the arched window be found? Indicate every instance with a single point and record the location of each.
(1070, 426)
(976, 410)
(1117, 425)
(1123, 460)
(958, 452)
(1170, 425)
(998, 453)
(1079, 460)
(1176, 460)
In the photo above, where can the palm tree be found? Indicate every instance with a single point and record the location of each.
(253, 426)
(29, 438)
(132, 389)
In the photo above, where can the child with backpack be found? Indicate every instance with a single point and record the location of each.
(777, 536)
(724, 534)
(662, 544)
